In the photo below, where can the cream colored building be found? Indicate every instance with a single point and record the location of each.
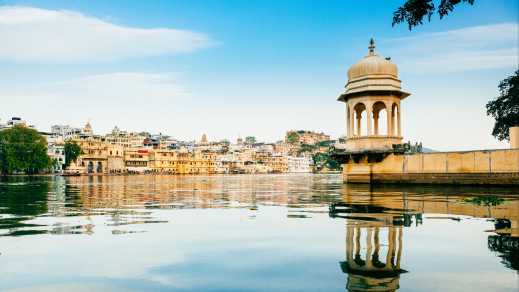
(137, 160)
(371, 155)
(373, 88)
(98, 156)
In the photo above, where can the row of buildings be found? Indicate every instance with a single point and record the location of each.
(140, 152)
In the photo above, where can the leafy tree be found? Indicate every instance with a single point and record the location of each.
(23, 150)
(505, 108)
(413, 12)
(322, 160)
(72, 152)
(250, 140)
(306, 148)
(292, 137)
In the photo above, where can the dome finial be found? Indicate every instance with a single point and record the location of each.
(371, 47)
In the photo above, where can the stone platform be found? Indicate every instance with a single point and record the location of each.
(482, 167)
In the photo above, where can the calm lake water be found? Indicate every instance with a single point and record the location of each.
(254, 233)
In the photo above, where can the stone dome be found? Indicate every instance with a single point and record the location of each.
(372, 65)
(373, 74)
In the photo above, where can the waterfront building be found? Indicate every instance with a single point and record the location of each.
(164, 161)
(93, 158)
(56, 152)
(299, 164)
(98, 156)
(277, 163)
(373, 88)
(372, 154)
(137, 160)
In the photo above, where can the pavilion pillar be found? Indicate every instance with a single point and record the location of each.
(369, 116)
(399, 254)
(390, 247)
(359, 124)
(348, 130)
(399, 124)
(349, 244)
(389, 118)
(352, 122)
(375, 118)
(369, 251)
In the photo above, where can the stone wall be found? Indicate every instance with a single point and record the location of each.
(485, 167)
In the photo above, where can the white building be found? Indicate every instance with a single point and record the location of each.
(299, 164)
(56, 152)
(64, 132)
(14, 121)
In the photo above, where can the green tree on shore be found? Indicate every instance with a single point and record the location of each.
(72, 152)
(292, 137)
(505, 108)
(23, 150)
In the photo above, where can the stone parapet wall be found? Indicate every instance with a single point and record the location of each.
(484, 167)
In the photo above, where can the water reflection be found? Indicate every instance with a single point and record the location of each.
(377, 215)
(379, 232)
(22, 199)
(370, 268)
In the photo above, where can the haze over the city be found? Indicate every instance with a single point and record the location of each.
(239, 68)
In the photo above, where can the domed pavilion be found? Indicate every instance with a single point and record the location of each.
(372, 96)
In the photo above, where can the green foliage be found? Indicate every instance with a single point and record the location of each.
(292, 137)
(325, 143)
(23, 150)
(413, 12)
(489, 200)
(325, 160)
(306, 148)
(250, 140)
(505, 108)
(72, 152)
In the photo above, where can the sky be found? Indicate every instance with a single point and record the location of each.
(234, 68)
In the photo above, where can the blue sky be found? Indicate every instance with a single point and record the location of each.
(238, 68)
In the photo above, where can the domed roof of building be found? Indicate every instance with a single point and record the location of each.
(372, 65)
(373, 73)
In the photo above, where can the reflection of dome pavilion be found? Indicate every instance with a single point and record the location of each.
(373, 88)
(373, 270)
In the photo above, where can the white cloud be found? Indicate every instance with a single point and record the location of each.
(471, 48)
(38, 35)
(126, 99)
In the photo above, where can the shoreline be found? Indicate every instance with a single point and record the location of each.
(162, 173)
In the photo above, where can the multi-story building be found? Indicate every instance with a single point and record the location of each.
(299, 164)
(98, 156)
(15, 121)
(137, 160)
(56, 152)
(64, 132)
(164, 161)
(277, 163)
(125, 139)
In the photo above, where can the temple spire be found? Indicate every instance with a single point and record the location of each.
(371, 47)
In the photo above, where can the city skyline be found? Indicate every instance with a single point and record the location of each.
(213, 68)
